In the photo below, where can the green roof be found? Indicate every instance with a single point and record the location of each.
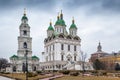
(60, 22)
(24, 17)
(50, 28)
(35, 57)
(14, 56)
(73, 26)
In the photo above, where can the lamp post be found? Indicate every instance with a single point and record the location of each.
(53, 64)
(26, 65)
(83, 57)
(26, 53)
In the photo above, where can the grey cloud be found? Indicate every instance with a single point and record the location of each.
(95, 6)
(39, 4)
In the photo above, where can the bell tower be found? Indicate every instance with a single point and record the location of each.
(24, 39)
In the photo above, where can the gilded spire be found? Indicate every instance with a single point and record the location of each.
(24, 15)
(61, 15)
(50, 26)
(99, 48)
(24, 11)
(50, 22)
(58, 16)
(73, 20)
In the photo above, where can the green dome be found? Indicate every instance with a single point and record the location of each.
(50, 28)
(24, 17)
(14, 56)
(73, 26)
(60, 22)
(35, 57)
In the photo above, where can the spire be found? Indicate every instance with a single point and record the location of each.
(99, 48)
(50, 26)
(24, 11)
(50, 22)
(73, 21)
(24, 15)
(61, 15)
(73, 24)
(58, 16)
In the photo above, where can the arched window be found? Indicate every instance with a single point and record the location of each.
(24, 32)
(68, 47)
(74, 58)
(74, 48)
(62, 57)
(25, 45)
(62, 47)
(14, 68)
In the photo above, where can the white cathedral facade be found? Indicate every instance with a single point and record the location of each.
(24, 49)
(62, 49)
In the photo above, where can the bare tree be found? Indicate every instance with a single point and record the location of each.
(3, 63)
(83, 59)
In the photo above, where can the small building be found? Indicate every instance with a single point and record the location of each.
(99, 53)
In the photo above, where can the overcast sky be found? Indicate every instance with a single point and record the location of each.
(97, 20)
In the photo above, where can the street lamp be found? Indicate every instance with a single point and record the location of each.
(83, 56)
(26, 53)
(53, 64)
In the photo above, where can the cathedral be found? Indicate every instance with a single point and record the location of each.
(62, 48)
(18, 62)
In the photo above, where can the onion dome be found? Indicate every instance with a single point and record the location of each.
(73, 24)
(24, 16)
(50, 27)
(60, 20)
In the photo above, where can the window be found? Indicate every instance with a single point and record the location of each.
(24, 32)
(53, 47)
(68, 47)
(47, 49)
(24, 45)
(50, 48)
(62, 47)
(74, 58)
(74, 48)
(62, 57)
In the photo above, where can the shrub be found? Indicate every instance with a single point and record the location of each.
(6, 73)
(104, 73)
(30, 74)
(39, 72)
(66, 72)
(74, 73)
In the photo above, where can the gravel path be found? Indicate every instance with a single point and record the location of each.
(56, 76)
(4, 78)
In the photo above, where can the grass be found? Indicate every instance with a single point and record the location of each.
(87, 78)
(22, 76)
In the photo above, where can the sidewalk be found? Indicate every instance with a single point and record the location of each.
(4, 78)
(56, 76)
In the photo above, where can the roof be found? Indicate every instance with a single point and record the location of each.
(14, 56)
(73, 26)
(35, 57)
(24, 17)
(50, 28)
(60, 22)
